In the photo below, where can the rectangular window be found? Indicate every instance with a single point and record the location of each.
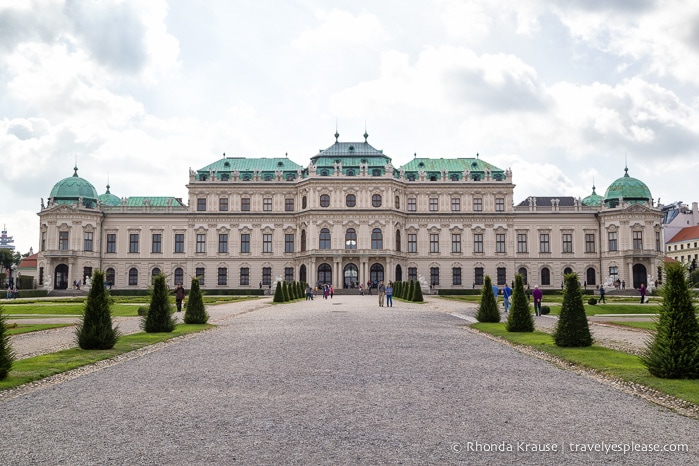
(223, 243)
(544, 243)
(500, 242)
(521, 242)
(434, 276)
(133, 242)
(456, 242)
(201, 242)
(43, 241)
(111, 243)
(179, 243)
(63, 240)
(245, 242)
(434, 242)
(412, 204)
(222, 276)
(478, 242)
(657, 241)
(589, 242)
(477, 204)
(289, 274)
(456, 276)
(201, 204)
(478, 276)
(200, 273)
(614, 272)
(501, 275)
(289, 243)
(499, 204)
(244, 276)
(87, 246)
(41, 275)
(412, 242)
(157, 243)
(434, 204)
(637, 240)
(245, 204)
(267, 242)
(267, 204)
(223, 204)
(266, 276)
(289, 204)
(613, 246)
(412, 273)
(567, 243)
(455, 204)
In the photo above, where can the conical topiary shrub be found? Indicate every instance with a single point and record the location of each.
(7, 356)
(417, 293)
(95, 331)
(159, 317)
(488, 309)
(194, 310)
(278, 293)
(520, 317)
(673, 353)
(572, 329)
(287, 297)
(396, 288)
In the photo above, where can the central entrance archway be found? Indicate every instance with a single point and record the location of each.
(639, 275)
(325, 274)
(376, 273)
(60, 281)
(351, 274)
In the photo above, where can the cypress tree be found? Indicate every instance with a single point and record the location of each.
(194, 310)
(488, 309)
(95, 329)
(7, 356)
(159, 317)
(520, 317)
(572, 329)
(417, 293)
(397, 288)
(278, 294)
(409, 292)
(673, 353)
(287, 297)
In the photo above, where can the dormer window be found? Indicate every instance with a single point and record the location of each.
(454, 177)
(268, 177)
(324, 173)
(376, 172)
(350, 172)
(411, 177)
(246, 177)
(226, 164)
(351, 148)
(421, 165)
(225, 177)
(280, 164)
(202, 177)
(433, 177)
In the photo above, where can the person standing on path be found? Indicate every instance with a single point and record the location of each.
(601, 295)
(382, 292)
(389, 295)
(506, 293)
(179, 296)
(496, 292)
(642, 289)
(368, 287)
(537, 295)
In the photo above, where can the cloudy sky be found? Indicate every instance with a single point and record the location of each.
(563, 93)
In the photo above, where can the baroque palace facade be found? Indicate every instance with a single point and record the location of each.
(349, 217)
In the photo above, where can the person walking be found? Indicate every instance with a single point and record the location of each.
(496, 292)
(389, 295)
(506, 293)
(368, 287)
(642, 290)
(382, 292)
(601, 295)
(332, 291)
(179, 296)
(537, 295)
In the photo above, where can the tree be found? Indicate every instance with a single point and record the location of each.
(7, 259)
(520, 317)
(194, 310)
(95, 329)
(417, 294)
(7, 356)
(488, 309)
(159, 317)
(278, 294)
(285, 290)
(397, 288)
(408, 294)
(673, 353)
(572, 329)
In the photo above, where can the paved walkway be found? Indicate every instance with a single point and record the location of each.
(339, 381)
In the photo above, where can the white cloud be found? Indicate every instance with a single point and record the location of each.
(337, 29)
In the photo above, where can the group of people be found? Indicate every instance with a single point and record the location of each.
(12, 292)
(535, 294)
(385, 291)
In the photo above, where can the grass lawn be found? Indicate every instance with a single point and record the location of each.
(26, 328)
(641, 325)
(607, 361)
(39, 367)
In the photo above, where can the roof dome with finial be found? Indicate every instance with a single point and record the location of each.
(627, 189)
(593, 199)
(70, 190)
(109, 198)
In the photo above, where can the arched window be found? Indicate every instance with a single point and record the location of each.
(350, 239)
(397, 202)
(324, 239)
(303, 240)
(324, 200)
(133, 276)
(350, 172)
(109, 277)
(376, 200)
(351, 200)
(376, 274)
(179, 276)
(324, 173)
(304, 202)
(325, 274)
(376, 239)
(302, 273)
(523, 272)
(567, 270)
(591, 276)
(545, 277)
(154, 273)
(397, 241)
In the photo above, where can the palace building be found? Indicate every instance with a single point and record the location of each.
(349, 217)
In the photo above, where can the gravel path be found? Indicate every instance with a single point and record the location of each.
(337, 382)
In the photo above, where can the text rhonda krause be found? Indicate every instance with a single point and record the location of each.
(571, 447)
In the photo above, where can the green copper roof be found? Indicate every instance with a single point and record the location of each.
(155, 201)
(70, 190)
(223, 169)
(109, 198)
(627, 189)
(456, 167)
(593, 199)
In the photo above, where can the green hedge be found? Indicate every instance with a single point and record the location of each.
(229, 292)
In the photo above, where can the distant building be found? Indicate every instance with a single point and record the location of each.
(5, 240)
(677, 216)
(684, 246)
(349, 217)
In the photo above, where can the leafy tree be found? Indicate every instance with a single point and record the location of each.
(520, 317)
(7, 259)
(417, 294)
(673, 353)
(278, 294)
(159, 317)
(95, 329)
(572, 329)
(7, 356)
(488, 309)
(194, 310)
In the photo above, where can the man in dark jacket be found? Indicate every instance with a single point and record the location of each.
(179, 296)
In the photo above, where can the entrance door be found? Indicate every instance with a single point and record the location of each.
(639, 275)
(376, 273)
(351, 274)
(325, 274)
(399, 273)
(60, 281)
